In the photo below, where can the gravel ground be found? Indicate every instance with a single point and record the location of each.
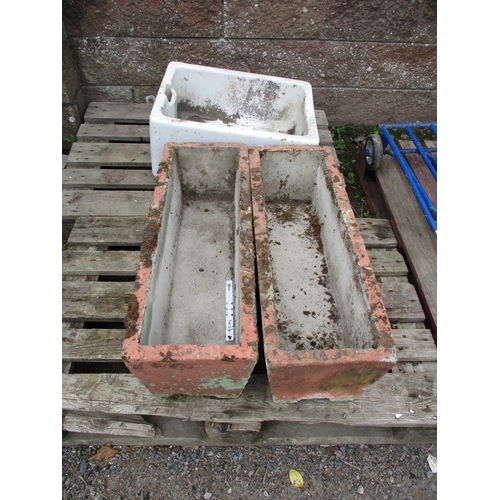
(204, 472)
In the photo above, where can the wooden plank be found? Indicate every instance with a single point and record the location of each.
(377, 233)
(387, 262)
(325, 139)
(431, 144)
(415, 345)
(117, 426)
(95, 301)
(103, 132)
(107, 301)
(118, 112)
(417, 240)
(120, 231)
(413, 396)
(421, 171)
(175, 432)
(107, 231)
(321, 119)
(401, 302)
(92, 154)
(98, 345)
(92, 345)
(78, 203)
(93, 178)
(108, 263)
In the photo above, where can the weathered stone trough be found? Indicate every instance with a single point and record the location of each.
(197, 241)
(326, 332)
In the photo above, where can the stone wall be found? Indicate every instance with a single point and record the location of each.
(369, 61)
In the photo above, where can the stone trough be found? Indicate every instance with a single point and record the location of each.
(326, 332)
(191, 323)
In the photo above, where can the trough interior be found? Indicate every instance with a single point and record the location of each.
(319, 299)
(246, 101)
(198, 250)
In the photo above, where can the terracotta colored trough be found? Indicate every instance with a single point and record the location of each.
(195, 286)
(326, 332)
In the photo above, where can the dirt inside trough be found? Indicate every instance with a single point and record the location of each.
(204, 260)
(305, 307)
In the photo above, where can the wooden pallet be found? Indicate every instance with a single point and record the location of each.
(107, 187)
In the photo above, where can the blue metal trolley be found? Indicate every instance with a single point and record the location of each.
(377, 145)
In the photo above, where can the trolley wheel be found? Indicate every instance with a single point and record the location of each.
(374, 151)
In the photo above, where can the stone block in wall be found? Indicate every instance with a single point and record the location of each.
(321, 63)
(426, 29)
(171, 18)
(123, 61)
(273, 19)
(414, 105)
(399, 66)
(120, 93)
(143, 61)
(374, 106)
(380, 20)
(91, 17)
(238, 55)
(70, 78)
(354, 106)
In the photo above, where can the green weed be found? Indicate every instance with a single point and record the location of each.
(69, 138)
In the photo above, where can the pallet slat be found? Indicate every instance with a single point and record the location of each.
(107, 301)
(77, 203)
(413, 396)
(92, 178)
(103, 132)
(108, 426)
(415, 345)
(92, 345)
(107, 231)
(124, 263)
(95, 301)
(99, 345)
(121, 231)
(100, 154)
(118, 112)
(387, 262)
(110, 263)
(401, 302)
(377, 233)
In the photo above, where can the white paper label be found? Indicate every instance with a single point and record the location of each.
(229, 311)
